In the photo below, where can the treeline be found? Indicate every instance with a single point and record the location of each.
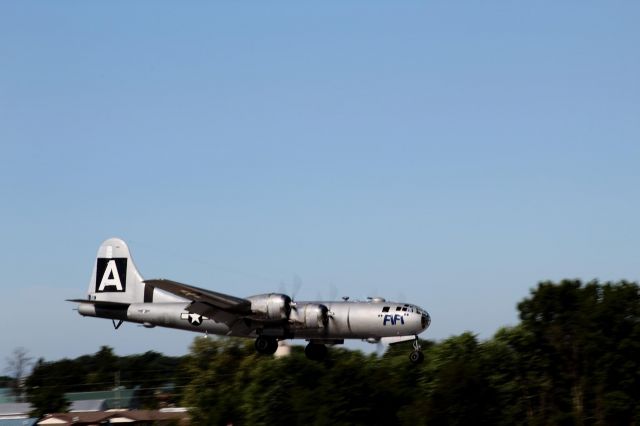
(149, 372)
(574, 359)
(6, 381)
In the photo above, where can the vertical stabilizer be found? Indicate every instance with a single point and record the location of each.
(115, 277)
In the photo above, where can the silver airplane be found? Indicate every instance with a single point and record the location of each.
(118, 292)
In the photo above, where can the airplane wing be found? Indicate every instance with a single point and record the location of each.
(396, 339)
(204, 301)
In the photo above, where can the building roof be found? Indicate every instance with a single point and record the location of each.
(124, 416)
(88, 405)
(18, 422)
(119, 398)
(73, 418)
(15, 409)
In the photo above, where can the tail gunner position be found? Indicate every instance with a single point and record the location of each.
(118, 292)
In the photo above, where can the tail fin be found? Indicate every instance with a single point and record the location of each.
(115, 277)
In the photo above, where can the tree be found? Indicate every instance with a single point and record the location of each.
(18, 364)
(5, 381)
(454, 389)
(214, 391)
(587, 341)
(45, 395)
(105, 368)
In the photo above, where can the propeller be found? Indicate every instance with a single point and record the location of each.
(296, 285)
(290, 304)
(295, 288)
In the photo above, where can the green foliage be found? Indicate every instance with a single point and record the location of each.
(45, 396)
(218, 369)
(5, 381)
(588, 340)
(574, 359)
(150, 371)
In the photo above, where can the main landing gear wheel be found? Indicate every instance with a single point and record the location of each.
(316, 351)
(266, 345)
(416, 357)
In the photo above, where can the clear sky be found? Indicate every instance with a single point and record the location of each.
(452, 154)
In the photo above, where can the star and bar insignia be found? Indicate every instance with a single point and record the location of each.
(194, 319)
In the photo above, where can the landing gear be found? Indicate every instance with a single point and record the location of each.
(416, 357)
(315, 351)
(266, 345)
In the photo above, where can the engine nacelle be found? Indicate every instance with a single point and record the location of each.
(271, 306)
(312, 316)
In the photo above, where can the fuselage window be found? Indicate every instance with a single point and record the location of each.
(385, 309)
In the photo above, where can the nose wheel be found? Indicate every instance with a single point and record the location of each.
(416, 357)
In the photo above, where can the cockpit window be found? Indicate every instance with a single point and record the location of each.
(404, 309)
(398, 308)
(426, 320)
(385, 309)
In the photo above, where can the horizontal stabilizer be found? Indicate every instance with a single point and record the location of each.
(100, 303)
(195, 294)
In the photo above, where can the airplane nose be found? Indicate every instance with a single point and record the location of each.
(426, 320)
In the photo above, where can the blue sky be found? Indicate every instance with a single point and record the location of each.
(452, 154)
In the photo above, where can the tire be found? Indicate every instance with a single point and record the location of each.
(416, 357)
(266, 345)
(273, 346)
(315, 351)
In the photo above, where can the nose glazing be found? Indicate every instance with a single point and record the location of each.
(426, 320)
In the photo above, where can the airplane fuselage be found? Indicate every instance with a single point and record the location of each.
(345, 320)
